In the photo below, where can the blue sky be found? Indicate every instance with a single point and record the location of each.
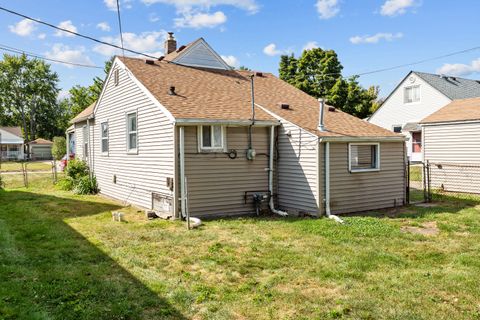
(366, 34)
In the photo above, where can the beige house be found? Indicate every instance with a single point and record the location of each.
(187, 132)
(11, 144)
(452, 146)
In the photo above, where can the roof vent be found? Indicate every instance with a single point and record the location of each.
(161, 58)
(148, 61)
(258, 74)
(453, 78)
(181, 48)
(285, 106)
(332, 109)
(171, 91)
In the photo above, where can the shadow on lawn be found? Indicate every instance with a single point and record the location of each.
(50, 271)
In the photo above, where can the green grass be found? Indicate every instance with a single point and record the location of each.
(416, 173)
(31, 166)
(62, 257)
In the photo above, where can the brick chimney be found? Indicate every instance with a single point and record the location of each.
(170, 44)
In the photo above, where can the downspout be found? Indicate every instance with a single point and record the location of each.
(327, 185)
(270, 174)
(181, 138)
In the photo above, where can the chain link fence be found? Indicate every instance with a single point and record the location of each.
(19, 174)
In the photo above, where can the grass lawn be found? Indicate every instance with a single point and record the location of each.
(31, 166)
(416, 172)
(62, 257)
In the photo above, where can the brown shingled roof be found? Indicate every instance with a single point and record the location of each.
(41, 141)
(13, 130)
(225, 95)
(87, 112)
(457, 110)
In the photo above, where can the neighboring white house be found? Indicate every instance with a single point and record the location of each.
(452, 146)
(185, 127)
(11, 143)
(418, 95)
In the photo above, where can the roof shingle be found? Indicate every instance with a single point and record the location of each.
(453, 87)
(13, 130)
(457, 110)
(86, 113)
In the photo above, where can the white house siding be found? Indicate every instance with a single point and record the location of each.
(297, 170)
(454, 153)
(395, 112)
(361, 191)
(78, 127)
(216, 183)
(200, 55)
(137, 175)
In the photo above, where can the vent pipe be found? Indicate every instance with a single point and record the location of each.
(321, 125)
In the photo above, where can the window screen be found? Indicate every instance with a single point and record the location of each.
(363, 157)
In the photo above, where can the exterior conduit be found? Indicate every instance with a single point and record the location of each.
(270, 175)
(327, 185)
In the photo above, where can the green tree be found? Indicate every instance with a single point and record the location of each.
(28, 91)
(318, 72)
(59, 147)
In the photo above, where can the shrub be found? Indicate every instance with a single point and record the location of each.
(86, 185)
(59, 147)
(2, 183)
(66, 184)
(76, 169)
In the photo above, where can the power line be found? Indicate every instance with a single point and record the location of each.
(34, 55)
(75, 33)
(120, 27)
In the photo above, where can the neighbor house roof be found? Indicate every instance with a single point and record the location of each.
(452, 87)
(41, 141)
(174, 54)
(457, 110)
(17, 131)
(85, 114)
(203, 93)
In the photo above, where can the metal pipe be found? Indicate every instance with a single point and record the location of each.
(253, 112)
(327, 185)
(321, 125)
(181, 137)
(270, 174)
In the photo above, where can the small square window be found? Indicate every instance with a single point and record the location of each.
(364, 157)
(397, 129)
(132, 137)
(104, 135)
(211, 138)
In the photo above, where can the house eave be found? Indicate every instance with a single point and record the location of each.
(363, 139)
(196, 122)
(439, 123)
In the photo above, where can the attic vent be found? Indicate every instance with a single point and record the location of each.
(284, 106)
(331, 109)
(454, 78)
(258, 74)
(171, 91)
(148, 61)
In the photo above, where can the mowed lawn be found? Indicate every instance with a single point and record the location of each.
(9, 166)
(62, 257)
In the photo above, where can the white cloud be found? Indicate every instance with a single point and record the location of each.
(376, 38)
(152, 17)
(232, 61)
(201, 20)
(68, 25)
(460, 69)
(104, 26)
(310, 45)
(111, 4)
(396, 7)
(63, 52)
(187, 5)
(23, 28)
(327, 8)
(146, 42)
(63, 94)
(271, 50)
(42, 36)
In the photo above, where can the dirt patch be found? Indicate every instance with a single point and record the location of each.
(426, 229)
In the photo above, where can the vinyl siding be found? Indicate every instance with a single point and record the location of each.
(79, 139)
(137, 175)
(360, 191)
(456, 147)
(201, 56)
(216, 183)
(297, 170)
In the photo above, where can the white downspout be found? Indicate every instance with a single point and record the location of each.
(327, 185)
(181, 137)
(270, 174)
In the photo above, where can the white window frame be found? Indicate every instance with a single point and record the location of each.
(131, 150)
(411, 87)
(377, 165)
(104, 138)
(201, 148)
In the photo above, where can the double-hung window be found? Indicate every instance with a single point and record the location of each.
(132, 135)
(412, 94)
(104, 135)
(363, 157)
(211, 138)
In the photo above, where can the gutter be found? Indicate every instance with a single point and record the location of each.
(196, 122)
(364, 139)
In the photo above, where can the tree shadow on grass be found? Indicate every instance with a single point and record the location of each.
(50, 271)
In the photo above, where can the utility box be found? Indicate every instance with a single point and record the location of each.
(162, 202)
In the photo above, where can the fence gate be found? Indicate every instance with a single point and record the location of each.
(418, 182)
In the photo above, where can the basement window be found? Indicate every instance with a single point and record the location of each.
(104, 135)
(211, 138)
(363, 157)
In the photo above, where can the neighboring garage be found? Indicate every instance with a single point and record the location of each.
(40, 149)
(452, 146)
